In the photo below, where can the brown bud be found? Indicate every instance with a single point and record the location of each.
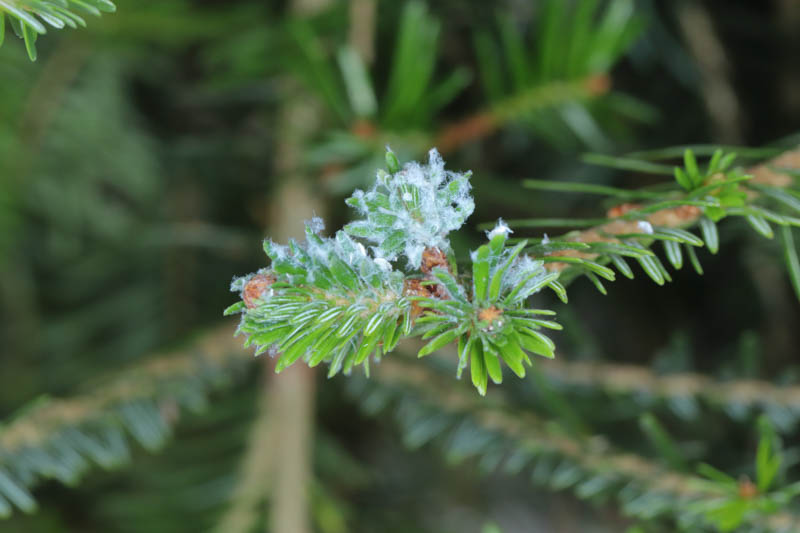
(170, 411)
(414, 287)
(255, 288)
(432, 258)
(675, 217)
(597, 85)
(490, 314)
(622, 209)
(364, 129)
(747, 490)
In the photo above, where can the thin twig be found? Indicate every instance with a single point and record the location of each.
(768, 173)
(484, 123)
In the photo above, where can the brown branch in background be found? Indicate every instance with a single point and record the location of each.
(717, 91)
(629, 379)
(291, 396)
(768, 173)
(361, 35)
(484, 123)
(290, 401)
(468, 129)
(255, 471)
(219, 351)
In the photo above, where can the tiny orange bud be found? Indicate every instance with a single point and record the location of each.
(622, 209)
(414, 287)
(432, 258)
(364, 129)
(597, 85)
(255, 288)
(490, 314)
(747, 490)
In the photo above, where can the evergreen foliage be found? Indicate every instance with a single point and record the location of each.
(665, 215)
(332, 301)
(139, 162)
(410, 210)
(552, 83)
(62, 438)
(592, 469)
(27, 18)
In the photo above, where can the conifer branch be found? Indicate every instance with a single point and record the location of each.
(631, 229)
(685, 393)
(549, 88)
(330, 300)
(60, 438)
(431, 409)
(27, 18)
(498, 439)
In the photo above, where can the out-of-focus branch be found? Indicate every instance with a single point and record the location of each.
(717, 91)
(211, 355)
(620, 379)
(362, 28)
(143, 401)
(290, 402)
(255, 471)
(589, 467)
(546, 96)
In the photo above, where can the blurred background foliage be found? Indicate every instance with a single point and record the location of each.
(140, 160)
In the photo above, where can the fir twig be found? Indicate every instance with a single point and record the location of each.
(550, 95)
(771, 173)
(58, 438)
